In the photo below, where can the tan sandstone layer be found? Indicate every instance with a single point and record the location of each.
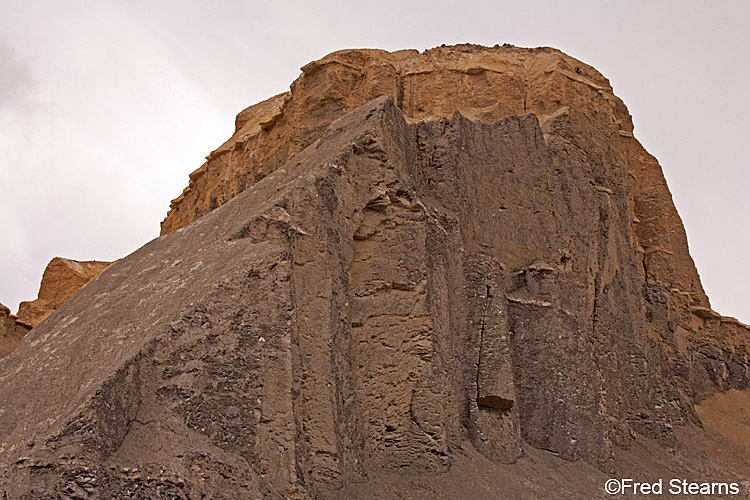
(62, 279)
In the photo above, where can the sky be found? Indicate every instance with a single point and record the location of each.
(107, 106)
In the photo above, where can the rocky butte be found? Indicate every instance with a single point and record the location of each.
(61, 280)
(448, 274)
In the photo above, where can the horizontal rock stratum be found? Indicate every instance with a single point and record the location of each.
(444, 275)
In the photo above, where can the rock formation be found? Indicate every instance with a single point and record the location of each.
(12, 330)
(61, 280)
(483, 84)
(396, 300)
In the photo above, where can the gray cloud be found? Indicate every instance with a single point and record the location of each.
(15, 77)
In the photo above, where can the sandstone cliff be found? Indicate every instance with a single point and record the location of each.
(61, 280)
(11, 331)
(484, 84)
(472, 306)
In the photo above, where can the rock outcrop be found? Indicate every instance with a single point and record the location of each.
(391, 307)
(61, 280)
(486, 84)
(12, 330)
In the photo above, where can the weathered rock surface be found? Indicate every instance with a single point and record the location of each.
(61, 280)
(570, 98)
(11, 331)
(484, 84)
(441, 309)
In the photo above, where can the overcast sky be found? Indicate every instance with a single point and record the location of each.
(107, 106)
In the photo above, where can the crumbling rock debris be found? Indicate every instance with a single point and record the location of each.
(401, 301)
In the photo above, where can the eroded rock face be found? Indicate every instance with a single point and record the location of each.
(570, 99)
(400, 304)
(484, 84)
(11, 331)
(61, 280)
